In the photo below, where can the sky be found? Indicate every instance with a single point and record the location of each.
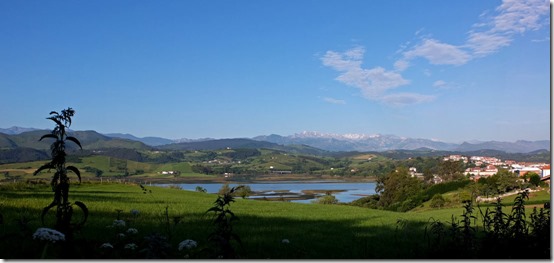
(452, 71)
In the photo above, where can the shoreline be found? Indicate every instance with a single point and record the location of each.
(254, 179)
(237, 179)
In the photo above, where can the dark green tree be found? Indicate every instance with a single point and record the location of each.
(534, 179)
(451, 170)
(398, 187)
(60, 180)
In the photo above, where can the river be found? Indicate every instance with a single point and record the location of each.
(294, 191)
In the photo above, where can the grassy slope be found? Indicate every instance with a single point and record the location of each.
(315, 231)
(109, 165)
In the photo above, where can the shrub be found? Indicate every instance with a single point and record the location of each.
(437, 201)
(243, 191)
(326, 200)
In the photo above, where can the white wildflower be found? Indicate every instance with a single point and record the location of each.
(49, 234)
(285, 241)
(121, 235)
(132, 231)
(106, 245)
(131, 246)
(118, 223)
(188, 244)
(135, 212)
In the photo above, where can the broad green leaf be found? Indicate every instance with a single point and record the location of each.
(48, 136)
(44, 167)
(73, 139)
(59, 123)
(45, 210)
(85, 210)
(76, 171)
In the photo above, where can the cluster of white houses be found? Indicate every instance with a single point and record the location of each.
(487, 166)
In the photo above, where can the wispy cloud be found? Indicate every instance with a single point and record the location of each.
(497, 29)
(485, 43)
(439, 84)
(371, 82)
(334, 101)
(403, 99)
(438, 53)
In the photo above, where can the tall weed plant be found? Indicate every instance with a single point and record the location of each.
(502, 236)
(60, 180)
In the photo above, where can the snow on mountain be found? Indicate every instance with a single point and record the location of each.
(16, 130)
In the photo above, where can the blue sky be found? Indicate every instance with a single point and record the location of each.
(446, 70)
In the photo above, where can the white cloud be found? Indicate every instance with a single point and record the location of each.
(486, 43)
(438, 53)
(371, 82)
(349, 60)
(401, 65)
(440, 84)
(497, 30)
(512, 17)
(520, 15)
(403, 99)
(334, 101)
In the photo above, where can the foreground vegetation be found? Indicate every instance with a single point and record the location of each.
(165, 217)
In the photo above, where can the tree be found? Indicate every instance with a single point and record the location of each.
(224, 189)
(507, 181)
(534, 178)
(60, 180)
(397, 187)
(243, 191)
(451, 170)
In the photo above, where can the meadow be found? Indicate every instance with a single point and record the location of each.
(268, 230)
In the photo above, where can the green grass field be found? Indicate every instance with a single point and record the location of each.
(110, 167)
(314, 231)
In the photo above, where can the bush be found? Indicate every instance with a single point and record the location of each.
(224, 189)
(326, 200)
(437, 201)
(243, 191)
(371, 201)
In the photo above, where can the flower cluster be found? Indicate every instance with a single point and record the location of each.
(135, 212)
(285, 241)
(131, 246)
(48, 234)
(106, 245)
(132, 231)
(187, 244)
(118, 223)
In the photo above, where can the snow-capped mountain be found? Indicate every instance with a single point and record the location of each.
(356, 142)
(347, 142)
(380, 142)
(16, 130)
(347, 136)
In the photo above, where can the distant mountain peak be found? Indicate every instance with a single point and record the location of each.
(380, 142)
(16, 130)
(346, 136)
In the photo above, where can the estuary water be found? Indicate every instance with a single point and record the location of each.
(294, 191)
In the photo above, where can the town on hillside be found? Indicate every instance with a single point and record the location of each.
(485, 166)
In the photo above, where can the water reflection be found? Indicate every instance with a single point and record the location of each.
(298, 192)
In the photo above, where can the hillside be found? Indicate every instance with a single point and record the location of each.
(89, 140)
(241, 144)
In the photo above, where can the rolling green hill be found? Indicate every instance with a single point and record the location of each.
(89, 140)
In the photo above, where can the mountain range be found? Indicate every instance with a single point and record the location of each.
(309, 140)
